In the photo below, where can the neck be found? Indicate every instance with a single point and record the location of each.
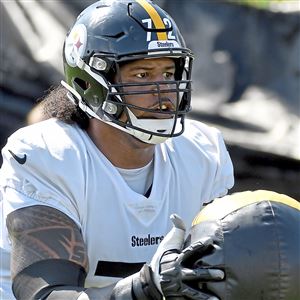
(121, 149)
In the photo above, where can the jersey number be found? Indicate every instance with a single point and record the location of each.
(168, 24)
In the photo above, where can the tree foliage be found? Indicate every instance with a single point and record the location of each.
(263, 4)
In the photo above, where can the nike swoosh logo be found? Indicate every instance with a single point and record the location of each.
(20, 160)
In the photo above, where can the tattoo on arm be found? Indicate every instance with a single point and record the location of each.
(41, 232)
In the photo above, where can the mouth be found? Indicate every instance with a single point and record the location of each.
(164, 110)
(166, 105)
(163, 107)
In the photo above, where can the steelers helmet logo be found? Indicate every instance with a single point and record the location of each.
(75, 45)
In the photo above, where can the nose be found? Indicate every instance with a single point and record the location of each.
(163, 97)
(162, 85)
(164, 93)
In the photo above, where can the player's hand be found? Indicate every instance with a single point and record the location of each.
(166, 276)
(149, 276)
(172, 243)
(146, 283)
(168, 271)
(175, 278)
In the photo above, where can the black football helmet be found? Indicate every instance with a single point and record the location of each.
(256, 241)
(110, 33)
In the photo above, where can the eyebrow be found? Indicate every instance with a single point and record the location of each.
(170, 67)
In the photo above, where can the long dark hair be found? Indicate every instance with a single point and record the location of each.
(57, 105)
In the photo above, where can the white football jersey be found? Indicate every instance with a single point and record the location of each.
(55, 164)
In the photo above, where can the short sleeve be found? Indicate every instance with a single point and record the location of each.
(44, 177)
(219, 171)
(224, 178)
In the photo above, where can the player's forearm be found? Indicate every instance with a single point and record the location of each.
(74, 293)
(57, 279)
(134, 287)
(129, 288)
(36, 290)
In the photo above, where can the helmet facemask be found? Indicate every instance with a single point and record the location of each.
(109, 97)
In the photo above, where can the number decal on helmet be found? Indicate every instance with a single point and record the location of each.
(149, 26)
(169, 25)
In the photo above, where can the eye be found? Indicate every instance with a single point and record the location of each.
(168, 75)
(141, 75)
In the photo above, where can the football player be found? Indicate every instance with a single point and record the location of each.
(87, 193)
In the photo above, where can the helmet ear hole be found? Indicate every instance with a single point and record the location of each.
(83, 85)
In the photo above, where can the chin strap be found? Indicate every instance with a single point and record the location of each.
(160, 126)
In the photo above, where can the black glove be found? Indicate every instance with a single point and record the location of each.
(176, 280)
(145, 284)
